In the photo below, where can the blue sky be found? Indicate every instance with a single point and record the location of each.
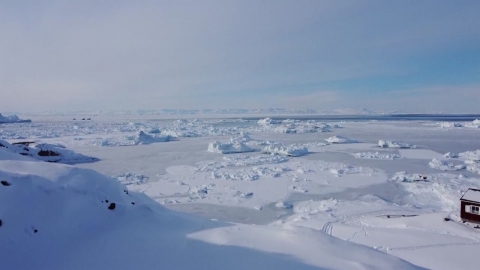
(413, 56)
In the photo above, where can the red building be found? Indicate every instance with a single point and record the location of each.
(470, 206)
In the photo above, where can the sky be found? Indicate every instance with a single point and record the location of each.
(409, 55)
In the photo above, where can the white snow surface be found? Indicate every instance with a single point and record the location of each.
(472, 195)
(61, 217)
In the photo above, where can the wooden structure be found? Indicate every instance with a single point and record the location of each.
(470, 206)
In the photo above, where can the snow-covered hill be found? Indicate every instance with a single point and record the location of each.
(56, 216)
(46, 152)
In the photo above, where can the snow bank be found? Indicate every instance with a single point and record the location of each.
(228, 148)
(377, 155)
(392, 144)
(12, 119)
(47, 152)
(445, 166)
(339, 140)
(285, 150)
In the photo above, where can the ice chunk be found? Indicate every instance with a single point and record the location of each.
(143, 138)
(392, 144)
(285, 150)
(445, 166)
(284, 205)
(228, 148)
(339, 140)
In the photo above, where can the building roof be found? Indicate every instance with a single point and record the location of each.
(471, 195)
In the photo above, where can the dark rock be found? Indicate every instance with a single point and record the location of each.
(106, 201)
(5, 183)
(35, 231)
(446, 219)
(112, 206)
(48, 153)
(1, 223)
(133, 203)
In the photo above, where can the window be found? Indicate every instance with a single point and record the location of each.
(475, 210)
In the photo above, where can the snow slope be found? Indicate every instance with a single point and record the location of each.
(47, 152)
(56, 216)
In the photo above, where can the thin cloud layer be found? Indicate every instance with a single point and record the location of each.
(72, 55)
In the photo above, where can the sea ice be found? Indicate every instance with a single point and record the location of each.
(339, 140)
(285, 150)
(392, 144)
(228, 148)
(377, 155)
(445, 166)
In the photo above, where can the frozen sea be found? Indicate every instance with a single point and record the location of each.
(326, 173)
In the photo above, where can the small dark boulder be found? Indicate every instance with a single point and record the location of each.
(5, 183)
(48, 153)
(35, 231)
(106, 201)
(133, 203)
(446, 219)
(111, 206)
(1, 223)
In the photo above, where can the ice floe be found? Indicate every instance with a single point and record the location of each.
(228, 148)
(339, 140)
(392, 144)
(285, 150)
(444, 166)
